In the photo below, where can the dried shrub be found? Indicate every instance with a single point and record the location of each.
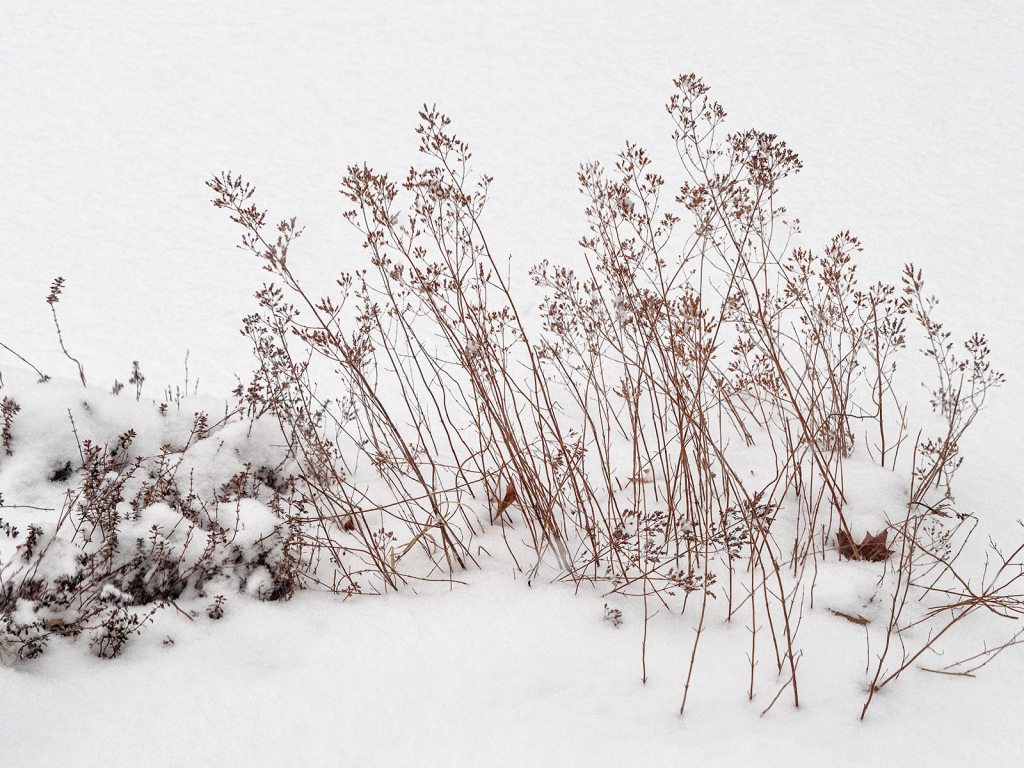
(616, 435)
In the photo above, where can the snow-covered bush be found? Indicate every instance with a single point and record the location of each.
(113, 525)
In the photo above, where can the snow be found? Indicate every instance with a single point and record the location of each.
(907, 119)
(496, 673)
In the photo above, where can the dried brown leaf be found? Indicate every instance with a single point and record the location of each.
(510, 497)
(858, 619)
(872, 548)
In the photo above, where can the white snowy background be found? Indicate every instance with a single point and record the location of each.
(907, 117)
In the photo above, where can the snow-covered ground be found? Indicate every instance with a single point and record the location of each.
(493, 674)
(111, 118)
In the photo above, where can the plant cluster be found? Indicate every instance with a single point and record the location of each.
(615, 438)
(676, 421)
(133, 537)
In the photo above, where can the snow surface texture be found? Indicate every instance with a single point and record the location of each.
(907, 122)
